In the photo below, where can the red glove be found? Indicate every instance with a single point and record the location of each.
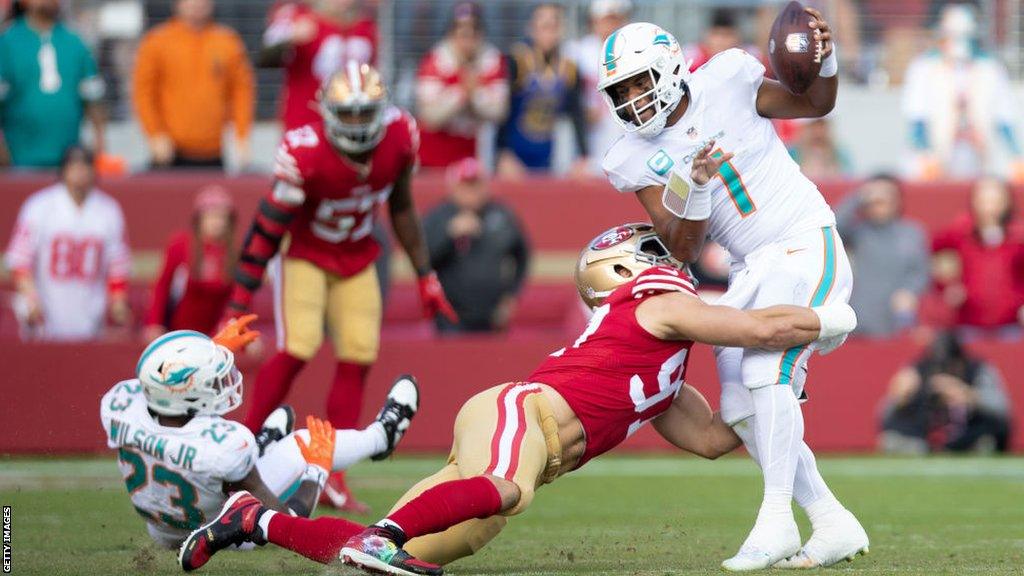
(433, 300)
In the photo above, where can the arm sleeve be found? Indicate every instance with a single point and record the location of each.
(175, 256)
(490, 100)
(917, 274)
(91, 88)
(501, 138)
(521, 254)
(436, 102)
(915, 103)
(273, 216)
(992, 399)
(243, 89)
(145, 83)
(578, 113)
(21, 251)
(435, 229)
(118, 253)
(1005, 110)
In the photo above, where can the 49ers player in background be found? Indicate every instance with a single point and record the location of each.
(331, 176)
(313, 40)
(626, 369)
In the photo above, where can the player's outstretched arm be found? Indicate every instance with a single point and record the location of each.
(406, 225)
(263, 241)
(677, 316)
(689, 424)
(774, 101)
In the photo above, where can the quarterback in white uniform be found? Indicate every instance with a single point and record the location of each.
(704, 160)
(180, 458)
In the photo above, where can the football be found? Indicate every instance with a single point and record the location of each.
(794, 54)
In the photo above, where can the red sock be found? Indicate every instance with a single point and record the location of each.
(272, 384)
(319, 540)
(446, 505)
(346, 396)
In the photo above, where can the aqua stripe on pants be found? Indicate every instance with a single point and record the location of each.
(828, 279)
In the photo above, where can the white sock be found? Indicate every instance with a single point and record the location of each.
(264, 523)
(351, 446)
(745, 429)
(779, 429)
(809, 488)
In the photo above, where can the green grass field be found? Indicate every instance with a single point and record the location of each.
(629, 516)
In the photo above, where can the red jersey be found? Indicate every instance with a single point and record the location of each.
(332, 226)
(183, 302)
(992, 273)
(312, 63)
(439, 80)
(617, 376)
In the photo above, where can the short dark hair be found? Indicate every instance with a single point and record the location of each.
(723, 18)
(889, 177)
(466, 10)
(76, 153)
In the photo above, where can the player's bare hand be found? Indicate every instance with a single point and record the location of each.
(236, 334)
(319, 451)
(822, 31)
(705, 166)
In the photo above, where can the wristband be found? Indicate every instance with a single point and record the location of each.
(314, 473)
(836, 320)
(687, 199)
(830, 66)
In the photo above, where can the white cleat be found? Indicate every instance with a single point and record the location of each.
(768, 543)
(838, 536)
(401, 405)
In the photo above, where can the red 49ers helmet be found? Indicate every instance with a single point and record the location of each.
(352, 103)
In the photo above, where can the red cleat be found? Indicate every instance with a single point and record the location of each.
(337, 495)
(236, 523)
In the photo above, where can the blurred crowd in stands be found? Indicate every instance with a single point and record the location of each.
(192, 84)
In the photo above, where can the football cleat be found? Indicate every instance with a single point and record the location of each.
(279, 424)
(337, 495)
(402, 402)
(376, 551)
(236, 524)
(768, 543)
(837, 536)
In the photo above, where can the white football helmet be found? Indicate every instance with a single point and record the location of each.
(644, 48)
(185, 373)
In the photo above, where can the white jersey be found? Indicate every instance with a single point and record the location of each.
(760, 196)
(71, 252)
(175, 476)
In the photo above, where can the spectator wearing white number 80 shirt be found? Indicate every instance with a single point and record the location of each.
(69, 256)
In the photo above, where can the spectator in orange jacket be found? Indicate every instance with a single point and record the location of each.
(192, 77)
(195, 282)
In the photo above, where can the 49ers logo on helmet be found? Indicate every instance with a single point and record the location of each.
(612, 237)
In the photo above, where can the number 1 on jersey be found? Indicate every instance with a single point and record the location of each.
(734, 184)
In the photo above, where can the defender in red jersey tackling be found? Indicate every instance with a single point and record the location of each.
(330, 178)
(627, 368)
